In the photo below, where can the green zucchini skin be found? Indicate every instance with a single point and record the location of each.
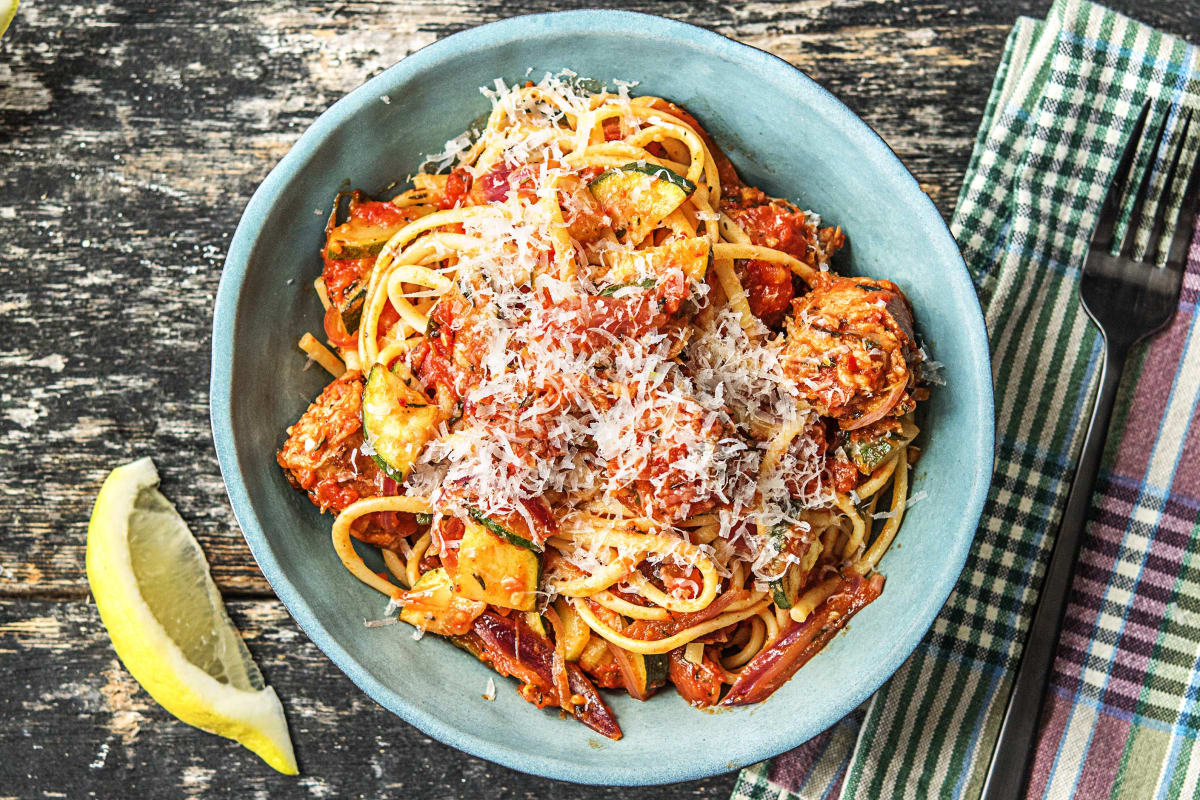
(609, 291)
(493, 570)
(638, 197)
(351, 309)
(394, 429)
(779, 534)
(656, 671)
(653, 170)
(649, 671)
(501, 531)
(346, 251)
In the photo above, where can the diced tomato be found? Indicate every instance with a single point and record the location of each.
(776, 224)
(381, 213)
(341, 275)
(458, 186)
(446, 536)
(398, 524)
(332, 493)
(681, 581)
(698, 684)
(387, 318)
(769, 290)
(335, 330)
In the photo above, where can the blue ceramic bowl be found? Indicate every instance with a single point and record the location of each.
(785, 134)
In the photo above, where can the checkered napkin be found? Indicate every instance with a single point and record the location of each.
(1123, 716)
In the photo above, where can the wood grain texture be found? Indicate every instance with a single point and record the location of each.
(75, 721)
(133, 133)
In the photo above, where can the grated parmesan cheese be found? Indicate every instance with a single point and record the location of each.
(557, 403)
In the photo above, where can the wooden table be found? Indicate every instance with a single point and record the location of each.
(133, 135)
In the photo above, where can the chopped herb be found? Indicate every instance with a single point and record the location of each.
(648, 283)
(424, 519)
(590, 85)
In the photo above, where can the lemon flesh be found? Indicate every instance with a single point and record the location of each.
(167, 621)
(8, 10)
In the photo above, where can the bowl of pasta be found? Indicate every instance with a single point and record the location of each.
(560, 405)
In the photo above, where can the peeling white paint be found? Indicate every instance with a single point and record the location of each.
(101, 757)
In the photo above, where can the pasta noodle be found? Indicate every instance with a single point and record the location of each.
(590, 373)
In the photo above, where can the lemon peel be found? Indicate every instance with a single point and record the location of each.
(167, 621)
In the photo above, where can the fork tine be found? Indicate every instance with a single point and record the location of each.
(1164, 221)
(1189, 206)
(1138, 217)
(1110, 208)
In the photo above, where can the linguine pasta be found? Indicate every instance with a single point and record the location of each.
(606, 410)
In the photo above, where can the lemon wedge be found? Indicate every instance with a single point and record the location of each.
(8, 10)
(167, 621)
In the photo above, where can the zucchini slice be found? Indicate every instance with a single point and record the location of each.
(395, 424)
(870, 455)
(595, 654)
(576, 632)
(495, 571)
(637, 197)
(534, 620)
(689, 255)
(779, 596)
(432, 605)
(779, 537)
(352, 307)
(368, 228)
(509, 532)
(778, 593)
(649, 671)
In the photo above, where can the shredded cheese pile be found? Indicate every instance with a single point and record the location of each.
(557, 405)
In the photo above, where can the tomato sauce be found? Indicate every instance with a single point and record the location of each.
(458, 186)
(769, 290)
(777, 225)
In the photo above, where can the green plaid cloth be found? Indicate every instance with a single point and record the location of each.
(1123, 715)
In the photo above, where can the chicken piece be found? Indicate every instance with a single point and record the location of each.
(849, 348)
(775, 223)
(323, 454)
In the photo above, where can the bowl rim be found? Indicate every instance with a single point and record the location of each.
(250, 227)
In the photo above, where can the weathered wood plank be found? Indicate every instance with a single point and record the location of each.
(75, 721)
(133, 135)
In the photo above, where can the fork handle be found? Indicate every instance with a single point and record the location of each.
(1014, 751)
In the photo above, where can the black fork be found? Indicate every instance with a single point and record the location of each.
(1129, 301)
